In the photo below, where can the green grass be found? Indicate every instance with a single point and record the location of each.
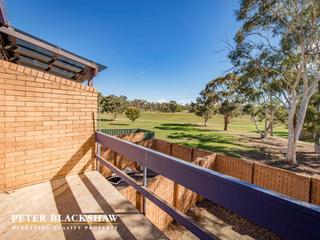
(186, 128)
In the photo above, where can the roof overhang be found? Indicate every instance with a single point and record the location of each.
(3, 14)
(25, 49)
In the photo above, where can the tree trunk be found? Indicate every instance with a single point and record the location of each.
(205, 122)
(292, 141)
(254, 120)
(114, 115)
(271, 129)
(271, 121)
(295, 123)
(226, 122)
(265, 132)
(291, 156)
(317, 143)
(317, 134)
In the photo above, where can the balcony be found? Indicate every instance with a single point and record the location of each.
(89, 193)
(284, 216)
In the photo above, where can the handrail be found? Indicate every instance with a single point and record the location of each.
(179, 216)
(286, 217)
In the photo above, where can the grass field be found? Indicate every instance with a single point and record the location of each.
(186, 128)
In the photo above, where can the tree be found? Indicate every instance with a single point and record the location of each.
(224, 90)
(228, 110)
(99, 98)
(164, 107)
(312, 121)
(281, 39)
(132, 113)
(257, 89)
(138, 103)
(317, 130)
(114, 104)
(271, 115)
(173, 106)
(192, 107)
(205, 106)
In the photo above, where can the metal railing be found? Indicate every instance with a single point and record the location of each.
(286, 217)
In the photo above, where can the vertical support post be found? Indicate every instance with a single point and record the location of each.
(90, 82)
(99, 154)
(176, 195)
(139, 201)
(99, 120)
(145, 178)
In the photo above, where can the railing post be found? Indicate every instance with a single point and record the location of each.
(99, 154)
(145, 178)
(99, 120)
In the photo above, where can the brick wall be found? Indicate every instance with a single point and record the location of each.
(47, 126)
(235, 167)
(282, 181)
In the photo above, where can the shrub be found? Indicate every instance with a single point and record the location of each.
(133, 113)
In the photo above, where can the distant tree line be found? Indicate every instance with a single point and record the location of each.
(132, 108)
(167, 107)
(118, 104)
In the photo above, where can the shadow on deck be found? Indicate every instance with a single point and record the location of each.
(87, 193)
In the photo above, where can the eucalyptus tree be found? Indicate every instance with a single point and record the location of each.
(281, 38)
(271, 114)
(114, 104)
(174, 106)
(225, 91)
(257, 88)
(312, 122)
(205, 105)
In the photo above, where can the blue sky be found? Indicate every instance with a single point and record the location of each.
(155, 49)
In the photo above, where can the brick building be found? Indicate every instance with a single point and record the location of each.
(47, 110)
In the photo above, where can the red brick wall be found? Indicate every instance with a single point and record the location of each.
(47, 126)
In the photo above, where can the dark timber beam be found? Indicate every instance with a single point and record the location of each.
(3, 15)
(49, 47)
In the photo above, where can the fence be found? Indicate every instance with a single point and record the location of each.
(129, 131)
(289, 183)
(292, 184)
(285, 217)
(173, 193)
(133, 135)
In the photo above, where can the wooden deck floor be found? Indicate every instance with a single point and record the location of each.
(88, 193)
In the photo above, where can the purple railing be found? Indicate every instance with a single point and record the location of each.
(286, 217)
